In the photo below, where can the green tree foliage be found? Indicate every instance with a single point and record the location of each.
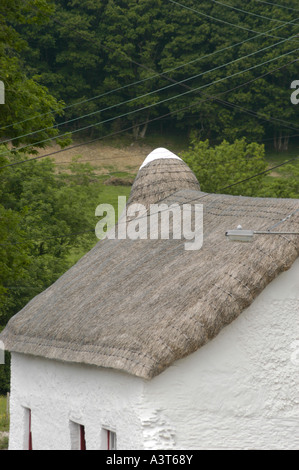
(47, 222)
(219, 168)
(25, 97)
(13, 255)
(91, 47)
(284, 185)
(66, 54)
(46, 217)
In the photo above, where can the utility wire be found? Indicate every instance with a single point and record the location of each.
(250, 13)
(157, 103)
(143, 80)
(138, 81)
(283, 220)
(74, 234)
(277, 5)
(223, 21)
(152, 120)
(214, 98)
(180, 204)
(140, 96)
(196, 199)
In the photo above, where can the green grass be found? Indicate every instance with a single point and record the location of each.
(4, 422)
(109, 195)
(106, 195)
(275, 158)
(175, 141)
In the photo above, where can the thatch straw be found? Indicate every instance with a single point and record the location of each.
(161, 178)
(138, 306)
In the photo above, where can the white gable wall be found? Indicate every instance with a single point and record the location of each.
(239, 391)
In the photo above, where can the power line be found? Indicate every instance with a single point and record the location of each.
(223, 21)
(251, 14)
(222, 101)
(156, 104)
(214, 98)
(74, 234)
(169, 114)
(156, 119)
(225, 187)
(277, 5)
(253, 113)
(139, 97)
(138, 81)
(180, 204)
(23, 287)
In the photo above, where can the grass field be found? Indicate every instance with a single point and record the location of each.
(108, 194)
(4, 423)
(122, 156)
(275, 158)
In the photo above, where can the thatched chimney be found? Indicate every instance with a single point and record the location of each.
(161, 174)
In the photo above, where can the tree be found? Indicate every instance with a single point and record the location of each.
(46, 218)
(25, 97)
(219, 168)
(47, 222)
(286, 185)
(66, 54)
(13, 255)
(92, 47)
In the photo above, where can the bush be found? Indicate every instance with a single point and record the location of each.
(239, 169)
(219, 168)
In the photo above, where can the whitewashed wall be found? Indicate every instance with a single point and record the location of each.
(240, 391)
(60, 394)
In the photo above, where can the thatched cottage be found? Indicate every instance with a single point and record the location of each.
(146, 345)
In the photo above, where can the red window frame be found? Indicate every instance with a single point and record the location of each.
(111, 440)
(82, 438)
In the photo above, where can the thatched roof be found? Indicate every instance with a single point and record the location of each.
(138, 306)
(161, 174)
